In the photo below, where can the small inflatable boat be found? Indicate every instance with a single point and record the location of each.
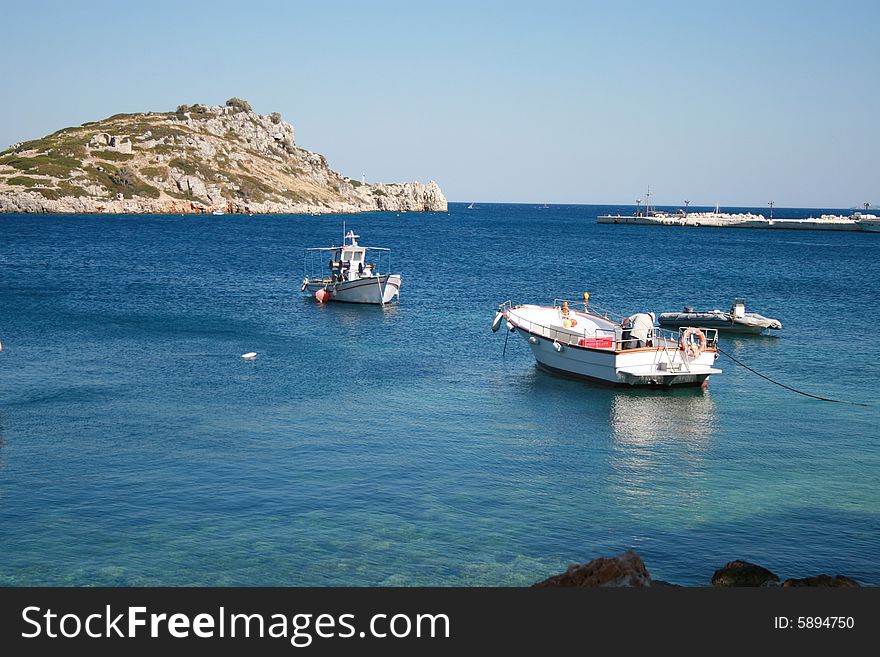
(736, 320)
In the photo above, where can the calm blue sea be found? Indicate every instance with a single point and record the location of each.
(397, 447)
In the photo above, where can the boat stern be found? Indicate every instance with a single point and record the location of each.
(651, 376)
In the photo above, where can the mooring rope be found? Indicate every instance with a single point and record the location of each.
(800, 392)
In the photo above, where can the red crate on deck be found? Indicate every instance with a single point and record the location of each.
(597, 343)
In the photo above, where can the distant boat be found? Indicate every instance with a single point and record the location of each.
(870, 222)
(736, 320)
(471, 206)
(545, 207)
(218, 212)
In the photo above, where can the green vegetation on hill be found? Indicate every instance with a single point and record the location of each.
(47, 164)
(240, 104)
(24, 181)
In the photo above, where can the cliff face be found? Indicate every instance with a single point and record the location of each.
(198, 159)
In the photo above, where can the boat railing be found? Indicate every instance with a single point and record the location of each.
(611, 339)
(591, 308)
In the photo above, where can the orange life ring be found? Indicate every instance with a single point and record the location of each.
(688, 346)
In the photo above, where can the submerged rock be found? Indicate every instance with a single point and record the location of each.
(624, 570)
(823, 580)
(743, 573)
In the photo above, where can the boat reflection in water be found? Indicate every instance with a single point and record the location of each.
(658, 454)
(354, 314)
(644, 419)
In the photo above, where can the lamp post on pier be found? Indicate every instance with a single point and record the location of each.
(771, 204)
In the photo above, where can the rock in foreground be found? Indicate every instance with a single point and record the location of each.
(838, 581)
(743, 573)
(628, 569)
(624, 570)
(197, 159)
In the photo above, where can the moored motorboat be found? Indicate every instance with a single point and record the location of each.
(736, 320)
(600, 345)
(347, 276)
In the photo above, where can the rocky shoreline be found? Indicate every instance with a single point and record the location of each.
(628, 570)
(197, 159)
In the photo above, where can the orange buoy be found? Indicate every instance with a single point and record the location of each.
(323, 296)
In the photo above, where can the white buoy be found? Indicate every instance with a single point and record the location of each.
(250, 355)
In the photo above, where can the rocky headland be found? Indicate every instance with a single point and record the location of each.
(197, 159)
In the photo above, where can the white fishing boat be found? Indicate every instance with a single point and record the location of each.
(869, 222)
(736, 320)
(342, 273)
(599, 345)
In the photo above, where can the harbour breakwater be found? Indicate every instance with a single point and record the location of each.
(856, 222)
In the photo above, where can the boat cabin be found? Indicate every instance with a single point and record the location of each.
(348, 262)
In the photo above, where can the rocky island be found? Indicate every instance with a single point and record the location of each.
(198, 159)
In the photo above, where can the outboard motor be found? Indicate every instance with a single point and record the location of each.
(738, 309)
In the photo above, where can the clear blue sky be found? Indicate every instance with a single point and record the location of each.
(581, 102)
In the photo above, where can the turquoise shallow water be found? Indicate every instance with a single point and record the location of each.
(397, 447)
